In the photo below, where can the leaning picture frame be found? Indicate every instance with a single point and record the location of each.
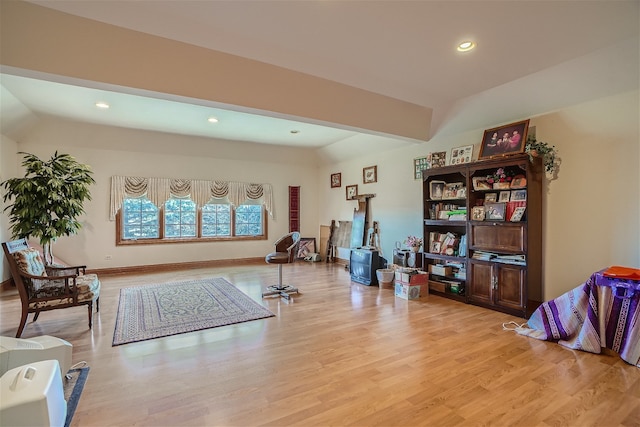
(306, 246)
(477, 213)
(504, 140)
(480, 183)
(438, 159)
(518, 195)
(504, 196)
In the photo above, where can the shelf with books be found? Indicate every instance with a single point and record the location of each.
(501, 214)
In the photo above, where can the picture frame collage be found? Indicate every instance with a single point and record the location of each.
(369, 176)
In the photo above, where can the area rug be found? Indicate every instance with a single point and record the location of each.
(154, 311)
(73, 389)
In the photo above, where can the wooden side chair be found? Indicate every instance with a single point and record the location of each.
(48, 287)
(286, 249)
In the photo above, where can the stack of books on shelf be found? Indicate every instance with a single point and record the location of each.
(511, 259)
(505, 259)
(458, 214)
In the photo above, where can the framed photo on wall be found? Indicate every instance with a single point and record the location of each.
(336, 180)
(504, 140)
(352, 191)
(420, 164)
(370, 174)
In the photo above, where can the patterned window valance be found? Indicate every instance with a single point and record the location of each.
(159, 190)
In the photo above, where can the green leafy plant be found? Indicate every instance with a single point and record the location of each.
(49, 198)
(547, 152)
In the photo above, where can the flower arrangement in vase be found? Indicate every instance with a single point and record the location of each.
(414, 243)
(500, 178)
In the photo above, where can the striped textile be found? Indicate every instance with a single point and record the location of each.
(594, 315)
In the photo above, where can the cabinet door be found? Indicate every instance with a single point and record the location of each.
(510, 290)
(481, 283)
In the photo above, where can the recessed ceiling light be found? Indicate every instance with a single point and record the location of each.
(466, 46)
(295, 131)
(212, 120)
(102, 105)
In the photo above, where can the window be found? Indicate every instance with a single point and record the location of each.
(179, 218)
(140, 222)
(140, 219)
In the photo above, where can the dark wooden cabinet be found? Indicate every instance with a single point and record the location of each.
(495, 258)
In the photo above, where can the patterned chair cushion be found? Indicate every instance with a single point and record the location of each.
(88, 290)
(30, 262)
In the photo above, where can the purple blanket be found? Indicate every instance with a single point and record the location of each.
(602, 312)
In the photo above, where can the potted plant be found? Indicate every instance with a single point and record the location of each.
(48, 200)
(414, 243)
(545, 151)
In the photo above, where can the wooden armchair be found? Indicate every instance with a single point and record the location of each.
(49, 287)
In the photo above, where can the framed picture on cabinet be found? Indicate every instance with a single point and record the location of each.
(517, 214)
(495, 211)
(504, 140)
(480, 183)
(519, 181)
(491, 197)
(435, 247)
(352, 191)
(336, 180)
(477, 213)
(451, 190)
(461, 155)
(436, 190)
(504, 196)
(518, 195)
(370, 174)
(438, 159)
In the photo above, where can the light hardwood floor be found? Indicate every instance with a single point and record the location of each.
(339, 354)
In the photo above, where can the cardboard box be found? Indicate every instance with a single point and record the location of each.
(440, 270)
(406, 291)
(411, 286)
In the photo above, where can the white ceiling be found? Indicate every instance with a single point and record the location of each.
(402, 49)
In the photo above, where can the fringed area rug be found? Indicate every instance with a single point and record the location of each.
(154, 311)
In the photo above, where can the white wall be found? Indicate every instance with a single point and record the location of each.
(591, 212)
(116, 151)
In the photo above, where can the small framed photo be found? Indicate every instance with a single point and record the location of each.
(480, 183)
(420, 164)
(477, 213)
(518, 195)
(306, 246)
(490, 197)
(436, 190)
(352, 192)
(336, 180)
(517, 214)
(435, 247)
(504, 140)
(451, 190)
(495, 211)
(370, 174)
(438, 159)
(504, 196)
(519, 181)
(461, 155)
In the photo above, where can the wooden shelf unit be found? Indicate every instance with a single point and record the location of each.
(501, 284)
